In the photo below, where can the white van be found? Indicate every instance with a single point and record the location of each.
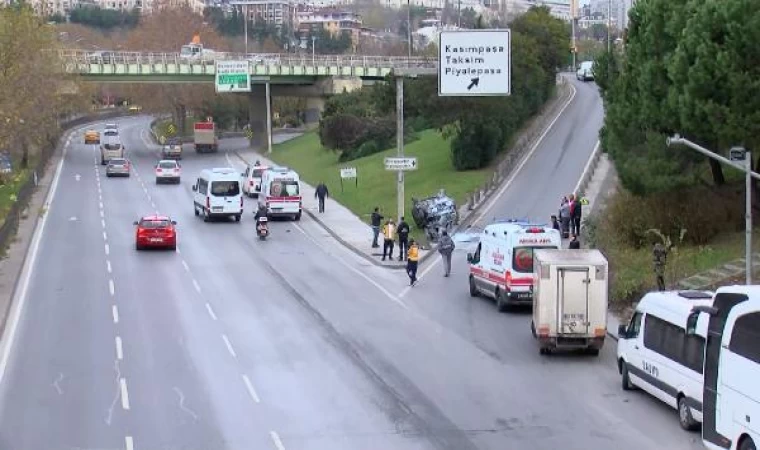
(110, 148)
(252, 180)
(218, 194)
(570, 300)
(656, 354)
(502, 265)
(281, 192)
(585, 71)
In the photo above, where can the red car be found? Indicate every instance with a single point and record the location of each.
(156, 232)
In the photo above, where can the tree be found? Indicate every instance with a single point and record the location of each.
(107, 19)
(551, 34)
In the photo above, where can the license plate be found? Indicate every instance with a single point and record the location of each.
(524, 295)
(156, 240)
(217, 208)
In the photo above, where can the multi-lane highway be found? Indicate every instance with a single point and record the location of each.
(292, 343)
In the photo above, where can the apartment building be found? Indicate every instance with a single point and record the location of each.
(273, 12)
(616, 9)
(309, 21)
(559, 8)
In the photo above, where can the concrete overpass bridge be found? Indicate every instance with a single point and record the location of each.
(313, 77)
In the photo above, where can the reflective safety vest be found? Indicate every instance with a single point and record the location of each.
(414, 253)
(389, 231)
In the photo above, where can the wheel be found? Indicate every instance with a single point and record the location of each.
(592, 351)
(747, 444)
(685, 419)
(195, 210)
(473, 288)
(501, 302)
(108, 175)
(298, 216)
(206, 216)
(626, 379)
(533, 328)
(237, 217)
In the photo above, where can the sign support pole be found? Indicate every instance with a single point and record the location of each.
(400, 141)
(268, 99)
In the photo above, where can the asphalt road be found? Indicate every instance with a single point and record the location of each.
(292, 343)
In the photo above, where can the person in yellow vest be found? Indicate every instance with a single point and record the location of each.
(412, 257)
(389, 236)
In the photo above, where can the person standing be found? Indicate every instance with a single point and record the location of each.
(321, 193)
(577, 214)
(446, 248)
(412, 257)
(564, 217)
(403, 239)
(389, 235)
(375, 221)
(575, 244)
(660, 254)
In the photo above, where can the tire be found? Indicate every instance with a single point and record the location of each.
(625, 381)
(298, 216)
(195, 210)
(592, 351)
(473, 289)
(747, 444)
(177, 181)
(685, 418)
(533, 329)
(501, 304)
(237, 217)
(206, 216)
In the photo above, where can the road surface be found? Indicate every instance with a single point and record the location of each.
(292, 343)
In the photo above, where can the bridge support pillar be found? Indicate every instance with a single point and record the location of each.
(257, 115)
(314, 108)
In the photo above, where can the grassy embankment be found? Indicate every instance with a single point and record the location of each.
(376, 186)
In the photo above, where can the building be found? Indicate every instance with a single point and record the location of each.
(334, 21)
(272, 12)
(559, 8)
(616, 9)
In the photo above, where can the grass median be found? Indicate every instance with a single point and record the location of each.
(375, 186)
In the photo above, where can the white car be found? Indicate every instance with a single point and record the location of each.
(168, 170)
(585, 71)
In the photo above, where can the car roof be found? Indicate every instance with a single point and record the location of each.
(168, 161)
(154, 217)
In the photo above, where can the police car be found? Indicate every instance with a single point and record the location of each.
(502, 265)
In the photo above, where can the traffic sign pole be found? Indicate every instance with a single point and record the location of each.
(400, 142)
(269, 118)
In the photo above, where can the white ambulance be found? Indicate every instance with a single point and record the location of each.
(502, 265)
(281, 193)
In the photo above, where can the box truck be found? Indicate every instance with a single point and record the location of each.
(205, 137)
(569, 300)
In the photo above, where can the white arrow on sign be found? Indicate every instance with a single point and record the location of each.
(78, 177)
(399, 163)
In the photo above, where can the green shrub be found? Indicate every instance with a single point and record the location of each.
(475, 145)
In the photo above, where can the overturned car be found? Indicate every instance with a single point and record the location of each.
(435, 214)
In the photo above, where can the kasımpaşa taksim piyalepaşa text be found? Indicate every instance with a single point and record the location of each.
(467, 56)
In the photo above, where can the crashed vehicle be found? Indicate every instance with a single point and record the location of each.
(435, 214)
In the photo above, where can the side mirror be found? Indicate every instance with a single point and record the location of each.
(174, 222)
(691, 323)
(134, 223)
(622, 332)
(469, 257)
(195, 188)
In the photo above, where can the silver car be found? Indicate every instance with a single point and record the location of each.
(118, 167)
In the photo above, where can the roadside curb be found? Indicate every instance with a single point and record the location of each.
(345, 243)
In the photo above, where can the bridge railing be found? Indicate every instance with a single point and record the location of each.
(84, 57)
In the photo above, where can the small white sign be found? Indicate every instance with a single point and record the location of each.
(348, 172)
(474, 63)
(400, 163)
(232, 76)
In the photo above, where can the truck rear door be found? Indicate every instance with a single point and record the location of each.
(573, 301)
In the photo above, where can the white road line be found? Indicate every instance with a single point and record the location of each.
(105, 236)
(101, 205)
(424, 272)
(108, 265)
(586, 167)
(115, 312)
(229, 346)
(178, 249)
(356, 271)
(276, 440)
(129, 443)
(111, 287)
(251, 390)
(17, 306)
(210, 311)
(184, 264)
(103, 223)
(524, 161)
(197, 286)
(119, 349)
(124, 393)
(101, 214)
(108, 249)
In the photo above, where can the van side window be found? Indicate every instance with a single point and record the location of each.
(745, 337)
(635, 326)
(476, 255)
(672, 342)
(202, 186)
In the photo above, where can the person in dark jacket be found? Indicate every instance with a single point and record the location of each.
(446, 248)
(321, 193)
(575, 244)
(375, 221)
(403, 239)
(577, 214)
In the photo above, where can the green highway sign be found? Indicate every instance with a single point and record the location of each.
(232, 76)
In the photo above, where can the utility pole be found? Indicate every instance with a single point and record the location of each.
(740, 159)
(400, 142)
(268, 99)
(609, 26)
(244, 10)
(573, 15)
(409, 25)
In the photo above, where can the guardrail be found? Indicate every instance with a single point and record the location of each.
(261, 59)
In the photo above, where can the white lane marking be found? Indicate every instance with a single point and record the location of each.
(525, 160)
(101, 205)
(424, 272)
(197, 286)
(586, 167)
(276, 440)
(108, 250)
(124, 393)
(105, 236)
(103, 223)
(115, 312)
(251, 390)
(210, 311)
(111, 287)
(184, 264)
(17, 306)
(101, 214)
(119, 349)
(229, 346)
(108, 265)
(129, 443)
(356, 271)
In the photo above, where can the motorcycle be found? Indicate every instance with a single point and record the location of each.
(262, 228)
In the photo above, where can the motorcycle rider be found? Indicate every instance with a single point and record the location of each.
(260, 213)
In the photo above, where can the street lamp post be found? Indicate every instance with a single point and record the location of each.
(244, 10)
(740, 159)
(313, 46)
(409, 26)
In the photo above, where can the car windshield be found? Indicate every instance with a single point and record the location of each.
(257, 173)
(167, 165)
(111, 133)
(117, 162)
(522, 258)
(225, 188)
(112, 146)
(152, 223)
(284, 189)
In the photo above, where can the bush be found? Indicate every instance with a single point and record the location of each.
(356, 137)
(475, 145)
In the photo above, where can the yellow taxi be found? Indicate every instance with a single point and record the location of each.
(91, 137)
